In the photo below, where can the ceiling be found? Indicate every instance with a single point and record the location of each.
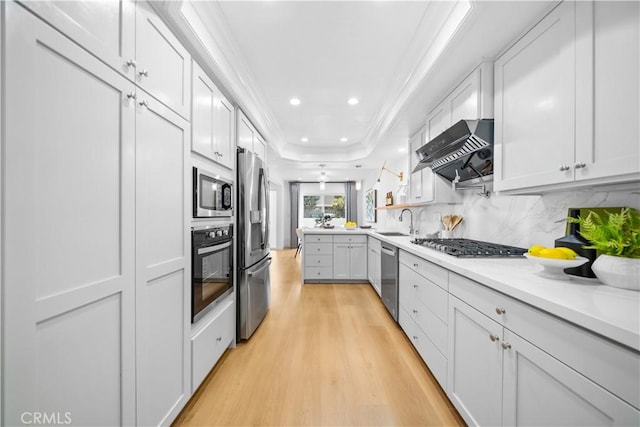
(398, 58)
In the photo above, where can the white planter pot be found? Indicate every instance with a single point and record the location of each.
(618, 272)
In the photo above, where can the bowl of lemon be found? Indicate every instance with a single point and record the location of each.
(554, 261)
(350, 225)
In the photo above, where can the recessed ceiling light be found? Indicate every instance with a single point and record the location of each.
(304, 139)
(353, 101)
(299, 178)
(343, 139)
(402, 149)
(294, 101)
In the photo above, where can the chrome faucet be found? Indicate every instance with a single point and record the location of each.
(411, 230)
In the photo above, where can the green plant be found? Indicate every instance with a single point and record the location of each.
(617, 235)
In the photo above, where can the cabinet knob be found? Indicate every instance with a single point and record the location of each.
(415, 337)
(505, 345)
(131, 63)
(500, 310)
(143, 73)
(415, 265)
(131, 95)
(143, 103)
(219, 339)
(415, 286)
(580, 165)
(564, 167)
(493, 337)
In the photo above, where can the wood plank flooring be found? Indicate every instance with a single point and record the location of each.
(325, 355)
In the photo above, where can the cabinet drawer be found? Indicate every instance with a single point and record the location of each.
(413, 286)
(356, 238)
(434, 328)
(436, 274)
(374, 244)
(436, 362)
(318, 238)
(314, 260)
(208, 344)
(318, 249)
(612, 366)
(321, 273)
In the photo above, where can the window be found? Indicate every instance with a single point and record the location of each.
(317, 204)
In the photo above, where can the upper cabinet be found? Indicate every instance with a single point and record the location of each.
(471, 99)
(249, 138)
(568, 100)
(130, 38)
(212, 120)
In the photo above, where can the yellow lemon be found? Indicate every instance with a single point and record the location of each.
(569, 253)
(535, 250)
(552, 253)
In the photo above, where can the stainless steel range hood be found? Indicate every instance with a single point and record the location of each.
(461, 153)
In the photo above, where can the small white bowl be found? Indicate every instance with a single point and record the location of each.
(554, 268)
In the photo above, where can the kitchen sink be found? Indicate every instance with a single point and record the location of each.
(391, 233)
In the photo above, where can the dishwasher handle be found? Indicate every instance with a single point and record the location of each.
(389, 251)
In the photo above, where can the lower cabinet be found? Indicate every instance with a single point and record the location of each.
(317, 255)
(210, 341)
(496, 377)
(350, 257)
(374, 264)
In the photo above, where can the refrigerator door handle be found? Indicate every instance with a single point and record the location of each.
(267, 263)
(263, 195)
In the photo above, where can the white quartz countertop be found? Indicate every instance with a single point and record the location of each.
(611, 312)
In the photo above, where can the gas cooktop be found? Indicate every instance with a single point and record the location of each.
(467, 248)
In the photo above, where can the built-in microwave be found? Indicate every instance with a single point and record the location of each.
(212, 196)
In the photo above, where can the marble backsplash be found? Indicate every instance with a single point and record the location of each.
(512, 220)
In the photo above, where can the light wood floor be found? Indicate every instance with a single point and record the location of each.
(325, 355)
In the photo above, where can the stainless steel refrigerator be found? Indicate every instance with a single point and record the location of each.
(253, 258)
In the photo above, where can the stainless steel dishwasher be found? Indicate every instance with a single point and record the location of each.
(389, 270)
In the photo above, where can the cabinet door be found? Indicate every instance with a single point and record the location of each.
(260, 147)
(540, 390)
(465, 100)
(245, 133)
(163, 64)
(162, 257)
(358, 261)
(415, 189)
(202, 124)
(535, 105)
(223, 120)
(438, 121)
(104, 28)
(341, 261)
(68, 339)
(613, 149)
(474, 379)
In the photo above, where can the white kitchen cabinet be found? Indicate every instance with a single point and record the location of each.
(374, 264)
(163, 309)
(317, 255)
(552, 374)
(568, 100)
(210, 340)
(163, 65)
(350, 257)
(106, 28)
(68, 287)
(212, 120)
(249, 138)
(416, 190)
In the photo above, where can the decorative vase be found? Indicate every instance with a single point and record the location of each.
(618, 271)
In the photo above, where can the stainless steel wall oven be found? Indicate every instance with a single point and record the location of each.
(212, 267)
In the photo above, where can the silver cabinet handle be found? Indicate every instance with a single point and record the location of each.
(415, 286)
(415, 311)
(505, 345)
(219, 339)
(143, 73)
(415, 265)
(131, 63)
(415, 337)
(500, 310)
(131, 95)
(143, 103)
(564, 167)
(580, 165)
(494, 338)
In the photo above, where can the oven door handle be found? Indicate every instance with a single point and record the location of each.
(213, 248)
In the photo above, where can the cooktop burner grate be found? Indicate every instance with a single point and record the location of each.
(467, 248)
